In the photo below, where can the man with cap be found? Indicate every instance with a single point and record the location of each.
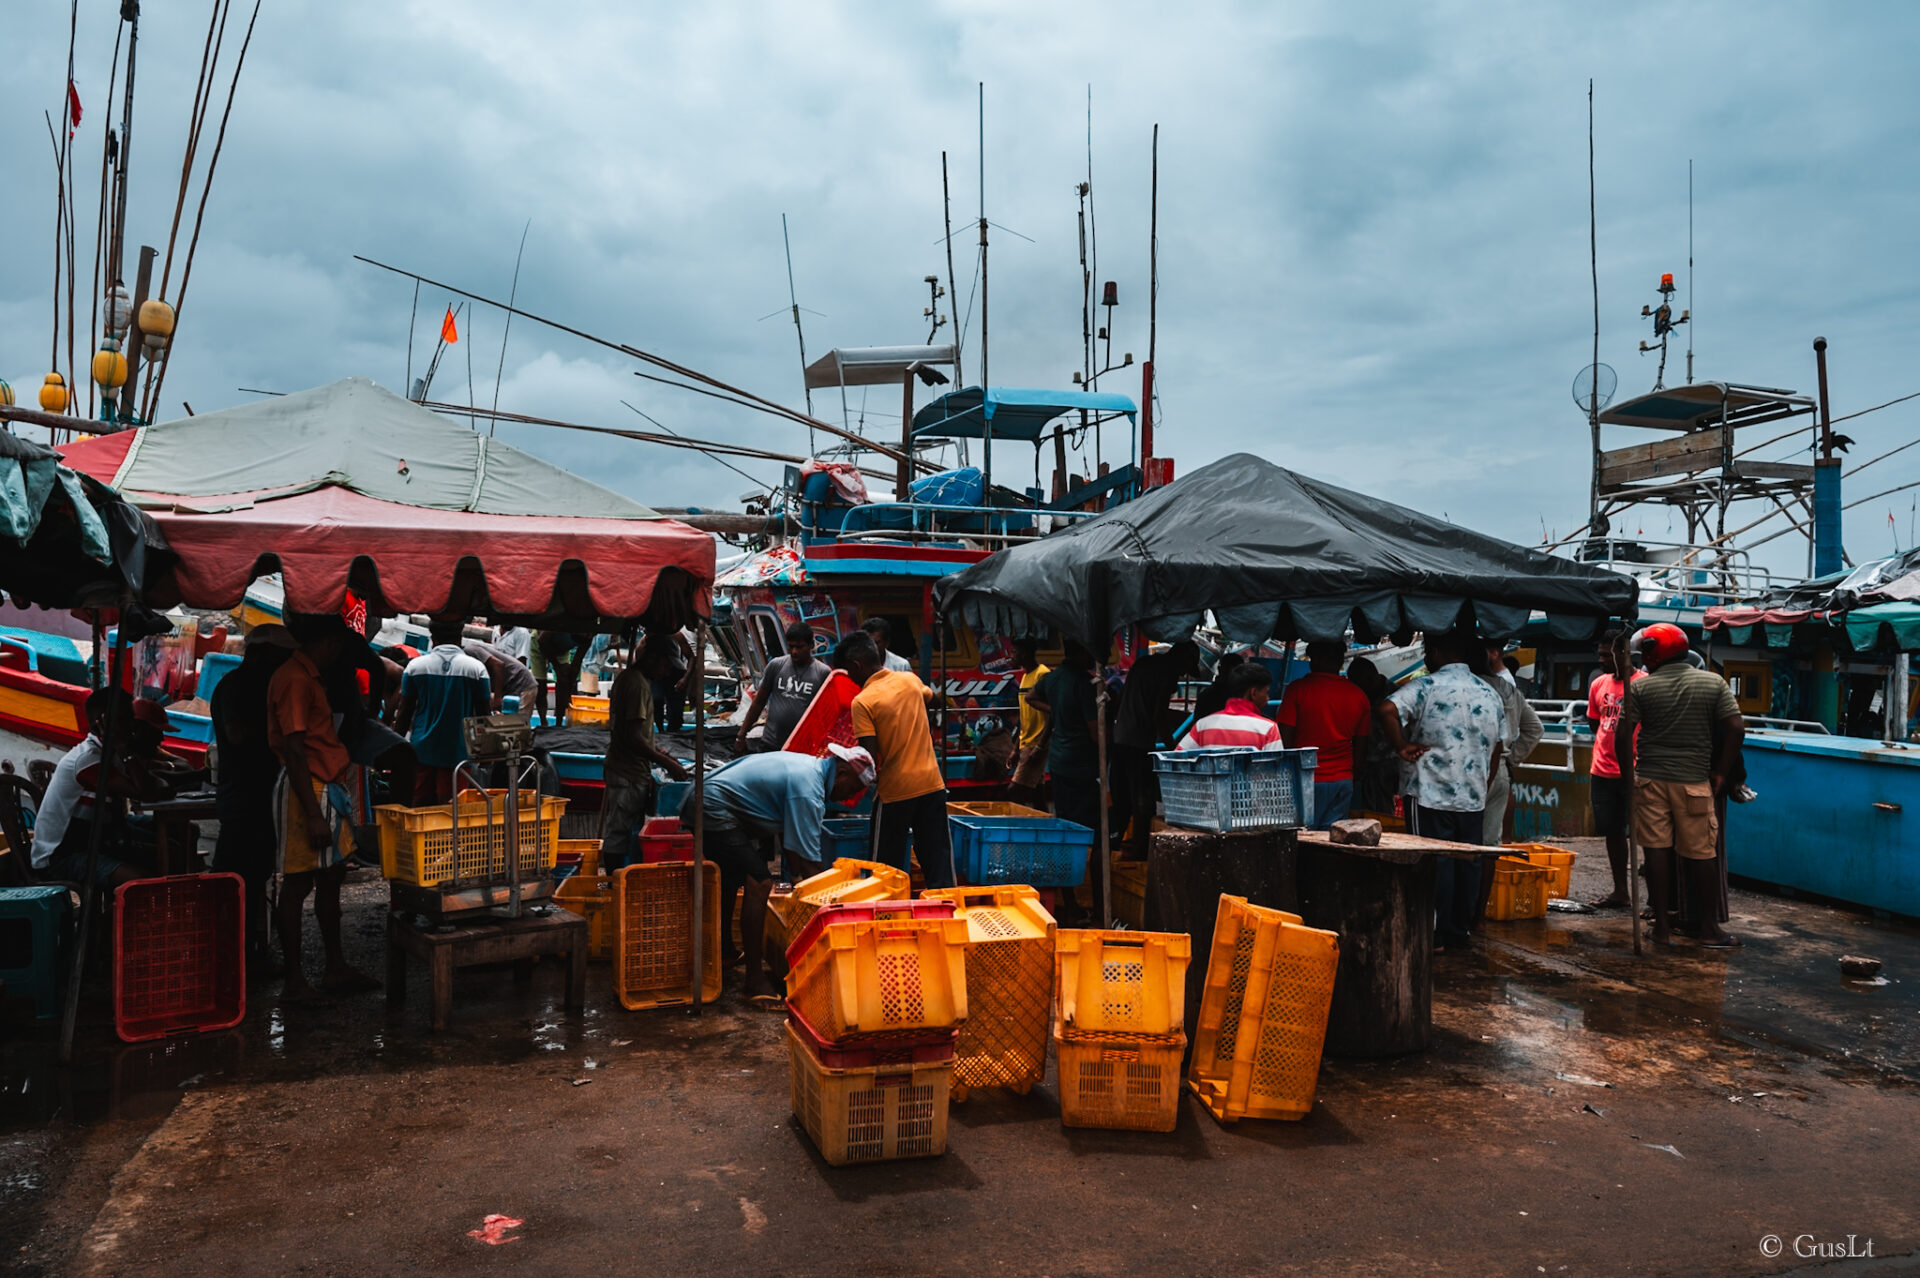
(1674, 770)
(245, 773)
(760, 806)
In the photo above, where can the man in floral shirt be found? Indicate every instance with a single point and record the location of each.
(1447, 727)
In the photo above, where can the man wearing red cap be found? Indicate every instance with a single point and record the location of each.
(1671, 768)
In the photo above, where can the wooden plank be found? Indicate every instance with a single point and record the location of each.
(1690, 444)
(1771, 470)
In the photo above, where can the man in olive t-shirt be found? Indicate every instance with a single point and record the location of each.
(1672, 770)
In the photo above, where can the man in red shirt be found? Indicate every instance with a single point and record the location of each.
(1242, 723)
(1326, 712)
(1607, 791)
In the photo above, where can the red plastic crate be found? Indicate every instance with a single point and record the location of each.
(665, 839)
(179, 956)
(862, 912)
(931, 1048)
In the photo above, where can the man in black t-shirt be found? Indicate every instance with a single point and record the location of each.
(787, 688)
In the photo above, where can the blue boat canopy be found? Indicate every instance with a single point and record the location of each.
(1011, 412)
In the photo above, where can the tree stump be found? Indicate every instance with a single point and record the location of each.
(1383, 910)
(1188, 871)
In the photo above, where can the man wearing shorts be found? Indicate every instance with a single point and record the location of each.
(1674, 772)
(1607, 790)
(759, 806)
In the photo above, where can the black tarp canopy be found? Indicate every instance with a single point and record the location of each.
(1269, 553)
(66, 540)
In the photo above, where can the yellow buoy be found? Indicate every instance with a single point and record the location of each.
(156, 319)
(6, 394)
(53, 394)
(110, 366)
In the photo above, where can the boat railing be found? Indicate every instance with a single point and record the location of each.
(1680, 574)
(1767, 723)
(924, 522)
(1563, 721)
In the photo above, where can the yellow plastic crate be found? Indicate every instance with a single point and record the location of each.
(1558, 860)
(883, 976)
(427, 847)
(653, 934)
(588, 851)
(848, 880)
(996, 810)
(1519, 890)
(1009, 987)
(584, 710)
(1122, 982)
(1263, 1013)
(873, 1114)
(591, 897)
(1127, 1082)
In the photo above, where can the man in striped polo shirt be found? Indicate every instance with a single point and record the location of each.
(1673, 773)
(1240, 725)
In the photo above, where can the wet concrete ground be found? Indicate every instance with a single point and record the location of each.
(1582, 1112)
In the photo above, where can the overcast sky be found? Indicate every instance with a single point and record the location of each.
(1373, 218)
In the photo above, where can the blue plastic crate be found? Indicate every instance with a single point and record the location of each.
(1038, 851)
(34, 926)
(846, 837)
(1231, 791)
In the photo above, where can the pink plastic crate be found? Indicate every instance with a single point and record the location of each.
(179, 956)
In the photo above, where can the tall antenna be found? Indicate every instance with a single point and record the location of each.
(513, 295)
(983, 235)
(1689, 270)
(793, 300)
(946, 223)
(1593, 262)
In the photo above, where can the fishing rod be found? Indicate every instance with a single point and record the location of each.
(750, 400)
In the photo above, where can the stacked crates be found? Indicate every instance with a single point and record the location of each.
(35, 923)
(1520, 890)
(1263, 1013)
(1230, 791)
(1557, 860)
(876, 993)
(1119, 1028)
(849, 880)
(1009, 988)
(653, 934)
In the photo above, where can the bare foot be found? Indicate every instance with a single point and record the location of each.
(1611, 901)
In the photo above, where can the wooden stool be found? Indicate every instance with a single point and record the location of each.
(494, 940)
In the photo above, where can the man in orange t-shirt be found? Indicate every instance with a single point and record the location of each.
(313, 805)
(890, 719)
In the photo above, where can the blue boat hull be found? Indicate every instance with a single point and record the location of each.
(1835, 818)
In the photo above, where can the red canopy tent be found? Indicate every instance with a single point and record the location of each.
(351, 486)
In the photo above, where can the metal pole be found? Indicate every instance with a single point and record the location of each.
(513, 833)
(143, 280)
(700, 815)
(1106, 855)
(1633, 878)
(1897, 707)
(902, 484)
(70, 1013)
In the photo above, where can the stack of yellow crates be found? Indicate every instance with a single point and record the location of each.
(876, 995)
(1119, 1028)
(848, 880)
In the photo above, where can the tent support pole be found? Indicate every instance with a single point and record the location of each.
(1633, 884)
(1106, 868)
(89, 891)
(698, 948)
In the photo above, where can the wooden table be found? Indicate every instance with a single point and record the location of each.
(175, 848)
(491, 940)
(1380, 901)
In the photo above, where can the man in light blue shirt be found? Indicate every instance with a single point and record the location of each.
(1449, 728)
(759, 806)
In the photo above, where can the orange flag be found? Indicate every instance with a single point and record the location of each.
(448, 333)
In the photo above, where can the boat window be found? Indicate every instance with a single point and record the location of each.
(1752, 684)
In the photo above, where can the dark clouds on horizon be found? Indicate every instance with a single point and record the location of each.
(1373, 220)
